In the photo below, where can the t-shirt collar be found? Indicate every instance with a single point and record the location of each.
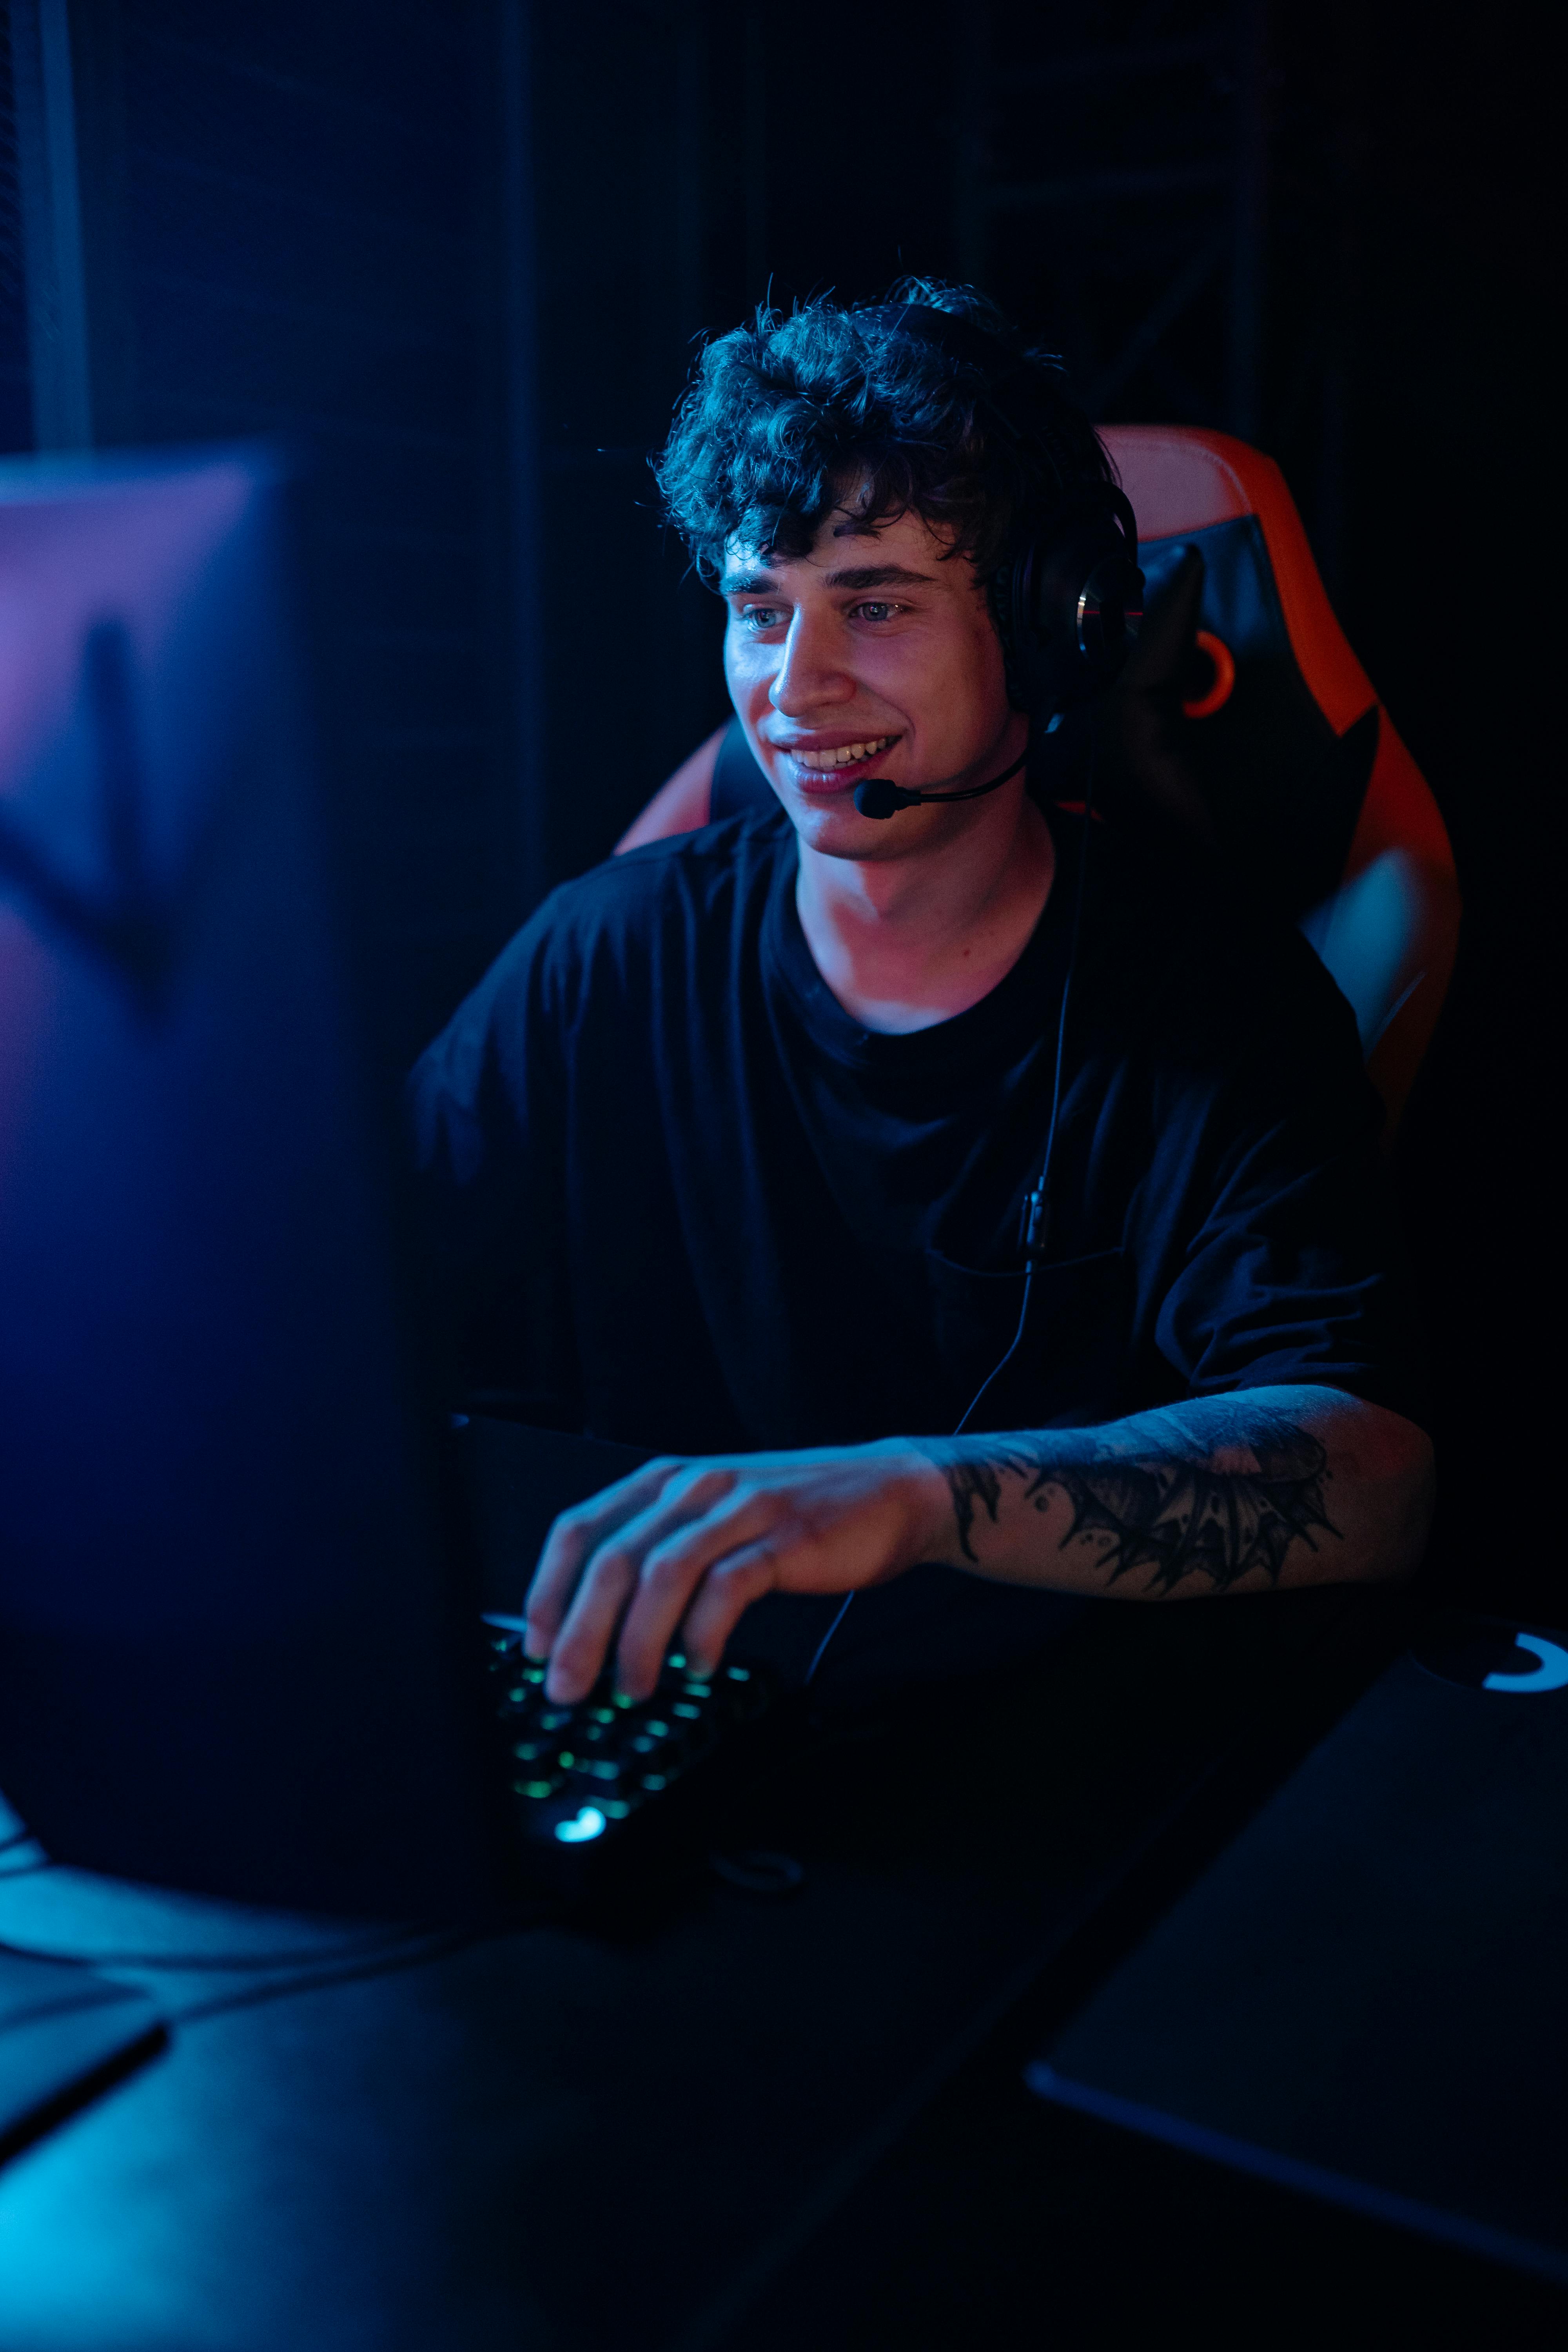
(991, 1030)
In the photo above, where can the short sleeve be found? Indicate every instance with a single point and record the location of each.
(1292, 1269)
(486, 1105)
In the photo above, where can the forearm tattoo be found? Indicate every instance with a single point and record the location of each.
(1153, 1493)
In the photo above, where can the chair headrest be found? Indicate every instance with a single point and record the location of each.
(1280, 726)
(1183, 482)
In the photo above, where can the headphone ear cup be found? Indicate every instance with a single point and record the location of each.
(1108, 616)
(1074, 601)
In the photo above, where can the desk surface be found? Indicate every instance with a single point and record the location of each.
(545, 2136)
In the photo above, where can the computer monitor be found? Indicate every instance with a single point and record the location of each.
(238, 1648)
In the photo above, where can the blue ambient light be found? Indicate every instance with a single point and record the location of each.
(1552, 1674)
(588, 1823)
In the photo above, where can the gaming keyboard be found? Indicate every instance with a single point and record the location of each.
(586, 1777)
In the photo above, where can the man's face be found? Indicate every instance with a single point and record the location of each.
(873, 655)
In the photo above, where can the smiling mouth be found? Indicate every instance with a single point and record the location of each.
(849, 755)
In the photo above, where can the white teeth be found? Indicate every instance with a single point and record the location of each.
(842, 758)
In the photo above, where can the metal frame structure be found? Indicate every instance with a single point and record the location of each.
(1149, 158)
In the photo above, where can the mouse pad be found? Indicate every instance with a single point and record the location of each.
(1362, 1998)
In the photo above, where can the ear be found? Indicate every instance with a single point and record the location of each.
(1143, 708)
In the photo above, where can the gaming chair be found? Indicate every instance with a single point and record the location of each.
(1295, 769)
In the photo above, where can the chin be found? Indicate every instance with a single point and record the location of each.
(835, 826)
(845, 833)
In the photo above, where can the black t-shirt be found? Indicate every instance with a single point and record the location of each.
(684, 1200)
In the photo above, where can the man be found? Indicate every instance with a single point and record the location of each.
(735, 1148)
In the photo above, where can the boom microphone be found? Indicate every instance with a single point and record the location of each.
(878, 797)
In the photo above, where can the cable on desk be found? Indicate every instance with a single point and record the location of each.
(433, 1947)
(194, 1962)
(388, 1947)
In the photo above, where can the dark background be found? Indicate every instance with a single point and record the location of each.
(459, 255)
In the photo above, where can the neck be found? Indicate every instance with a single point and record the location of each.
(907, 942)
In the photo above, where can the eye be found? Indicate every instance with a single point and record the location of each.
(875, 610)
(759, 616)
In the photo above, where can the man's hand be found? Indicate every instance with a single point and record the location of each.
(689, 1545)
(1236, 1493)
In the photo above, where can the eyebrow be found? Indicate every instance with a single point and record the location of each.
(862, 576)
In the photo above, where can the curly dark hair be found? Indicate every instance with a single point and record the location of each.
(787, 419)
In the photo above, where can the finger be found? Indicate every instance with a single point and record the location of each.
(573, 1538)
(577, 1658)
(723, 1599)
(670, 1574)
(611, 1575)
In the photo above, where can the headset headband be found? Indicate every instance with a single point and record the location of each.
(1068, 600)
(979, 347)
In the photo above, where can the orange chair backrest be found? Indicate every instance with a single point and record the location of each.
(1384, 916)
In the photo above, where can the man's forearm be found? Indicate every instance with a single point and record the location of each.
(1243, 1492)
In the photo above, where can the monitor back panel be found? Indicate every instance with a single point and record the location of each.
(231, 1656)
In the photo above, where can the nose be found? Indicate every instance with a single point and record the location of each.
(810, 676)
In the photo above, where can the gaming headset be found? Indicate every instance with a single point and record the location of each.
(1068, 604)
